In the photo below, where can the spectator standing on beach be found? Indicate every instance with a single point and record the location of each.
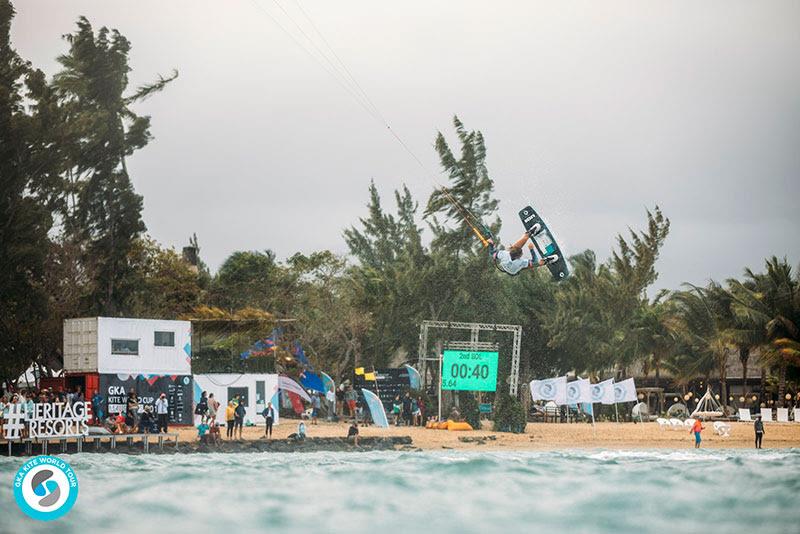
(238, 419)
(315, 404)
(269, 416)
(407, 412)
(132, 410)
(29, 408)
(97, 408)
(301, 431)
(697, 427)
(230, 416)
(759, 428)
(213, 407)
(397, 409)
(416, 413)
(352, 432)
(162, 412)
(3, 408)
(350, 397)
(202, 407)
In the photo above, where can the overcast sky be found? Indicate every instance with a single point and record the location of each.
(592, 111)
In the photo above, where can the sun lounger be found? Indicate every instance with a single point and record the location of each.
(675, 424)
(744, 415)
(662, 423)
(782, 415)
(766, 414)
(722, 428)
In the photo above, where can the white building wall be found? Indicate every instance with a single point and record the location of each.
(153, 360)
(87, 346)
(80, 345)
(218, 384)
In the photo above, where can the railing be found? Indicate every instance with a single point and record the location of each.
(95, 439)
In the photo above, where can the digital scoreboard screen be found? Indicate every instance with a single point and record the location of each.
(469, 370)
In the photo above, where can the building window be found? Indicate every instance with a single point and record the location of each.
(164, 339)
(127, 347)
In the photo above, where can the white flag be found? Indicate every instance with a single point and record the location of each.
(603, 392)
(625, 391)
(579, 391)
(552, 389)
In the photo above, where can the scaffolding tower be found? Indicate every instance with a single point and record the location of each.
(474, 344)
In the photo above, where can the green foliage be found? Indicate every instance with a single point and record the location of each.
(470, 409)
(24, 216)
(509, 415)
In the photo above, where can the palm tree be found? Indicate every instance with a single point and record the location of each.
(704, 322)
(771, 301)
(653, 335)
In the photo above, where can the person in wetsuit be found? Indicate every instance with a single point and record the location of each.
(759, 428)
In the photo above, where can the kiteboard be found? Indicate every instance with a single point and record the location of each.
(544, 242)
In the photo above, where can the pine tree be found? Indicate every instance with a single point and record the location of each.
(103, 131)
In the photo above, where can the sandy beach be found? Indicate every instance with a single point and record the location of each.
(546, 436)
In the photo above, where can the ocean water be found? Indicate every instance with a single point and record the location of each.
(724, 491)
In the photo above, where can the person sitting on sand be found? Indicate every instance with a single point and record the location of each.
(146, 420)
(111, 423)
(352, 432)
(122, 427)
(202, 431)
(214, 434)
(697, 427)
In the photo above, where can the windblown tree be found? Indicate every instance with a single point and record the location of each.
(706, 324)
(391, 259)
(330, 319)
(771, 301)
(24, 215)
(469, 185)
(252, 279)
(593, 321)
(102, 132)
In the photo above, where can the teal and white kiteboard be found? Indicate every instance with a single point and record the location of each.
(545, 243)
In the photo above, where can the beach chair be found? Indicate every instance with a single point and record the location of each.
(675, 424)
(722, 428)
(662, 423)
(766, 415)
(782, 415)
(744, 415)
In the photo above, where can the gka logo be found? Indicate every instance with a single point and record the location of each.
(45, 488)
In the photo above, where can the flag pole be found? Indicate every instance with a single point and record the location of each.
(617, 411)
(440, 387)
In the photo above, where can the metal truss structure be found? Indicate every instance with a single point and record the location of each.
(473, 344)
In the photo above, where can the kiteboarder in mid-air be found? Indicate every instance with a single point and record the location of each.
(510, 260)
